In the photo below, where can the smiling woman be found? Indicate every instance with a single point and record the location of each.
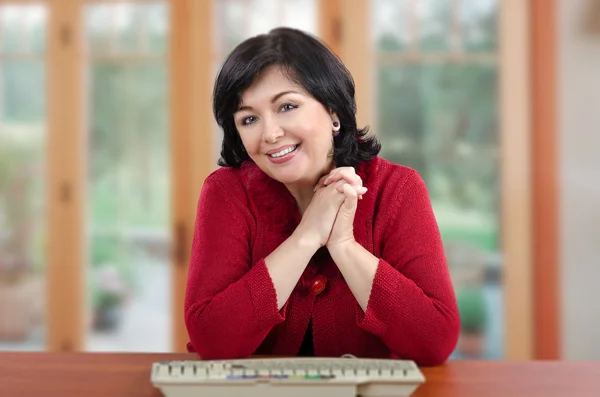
(306, 242)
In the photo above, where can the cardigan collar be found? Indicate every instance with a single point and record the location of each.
(273, 199)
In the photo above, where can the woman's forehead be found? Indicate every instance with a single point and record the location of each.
(269, 83)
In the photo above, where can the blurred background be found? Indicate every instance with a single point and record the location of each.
(98, 97)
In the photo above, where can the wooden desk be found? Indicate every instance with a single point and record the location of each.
(128, 375)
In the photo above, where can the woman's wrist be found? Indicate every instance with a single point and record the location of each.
(306, 240)
(344, 249)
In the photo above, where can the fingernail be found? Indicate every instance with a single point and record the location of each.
(326, 181)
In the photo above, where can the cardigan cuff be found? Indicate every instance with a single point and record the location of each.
(381, 300)
(264, 296)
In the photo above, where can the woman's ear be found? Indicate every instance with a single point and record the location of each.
(335, 122)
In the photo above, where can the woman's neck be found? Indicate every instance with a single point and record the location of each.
(303, 192)
(303, 195)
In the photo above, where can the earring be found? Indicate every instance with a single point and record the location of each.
(337, 131)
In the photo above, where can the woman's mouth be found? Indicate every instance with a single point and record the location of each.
(283, 155)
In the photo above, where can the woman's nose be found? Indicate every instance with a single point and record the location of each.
(272, 132)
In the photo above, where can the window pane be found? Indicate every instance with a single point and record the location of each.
(100, 37)
(392, 32)
(434, 19)
(22, 189)
(128, 188)
(127, 28)
(441, 118)
(479, 25)
(238, 20)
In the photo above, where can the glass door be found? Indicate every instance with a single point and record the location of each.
(436, 69)
(22, 176)
(128, 221)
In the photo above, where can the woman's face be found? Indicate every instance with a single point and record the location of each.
(285, 131)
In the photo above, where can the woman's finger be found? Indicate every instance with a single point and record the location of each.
(360, 190)
(349, 205)
(320, 182)
(347, 175)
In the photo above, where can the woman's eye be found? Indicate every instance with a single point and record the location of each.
(288, 106)
(248, 120)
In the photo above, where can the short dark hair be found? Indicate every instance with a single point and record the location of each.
(308, 62)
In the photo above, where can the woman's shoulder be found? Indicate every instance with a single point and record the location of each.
(220, 181)
(385, 176)
(234, 177)
(394, 189)
(244, 184)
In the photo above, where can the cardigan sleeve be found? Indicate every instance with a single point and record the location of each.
(412, 305)
(230, 305)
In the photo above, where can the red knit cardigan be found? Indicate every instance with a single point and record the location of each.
(231, 303)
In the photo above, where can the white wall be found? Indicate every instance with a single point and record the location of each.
(579, 159)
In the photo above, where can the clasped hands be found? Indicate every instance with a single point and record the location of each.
(329, 218)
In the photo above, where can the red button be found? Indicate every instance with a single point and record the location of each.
(318, 285)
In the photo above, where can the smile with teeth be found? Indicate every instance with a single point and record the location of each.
(284, 152)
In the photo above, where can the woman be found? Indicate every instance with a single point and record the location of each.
(306, 242)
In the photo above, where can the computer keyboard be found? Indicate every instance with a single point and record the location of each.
(287, 377)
